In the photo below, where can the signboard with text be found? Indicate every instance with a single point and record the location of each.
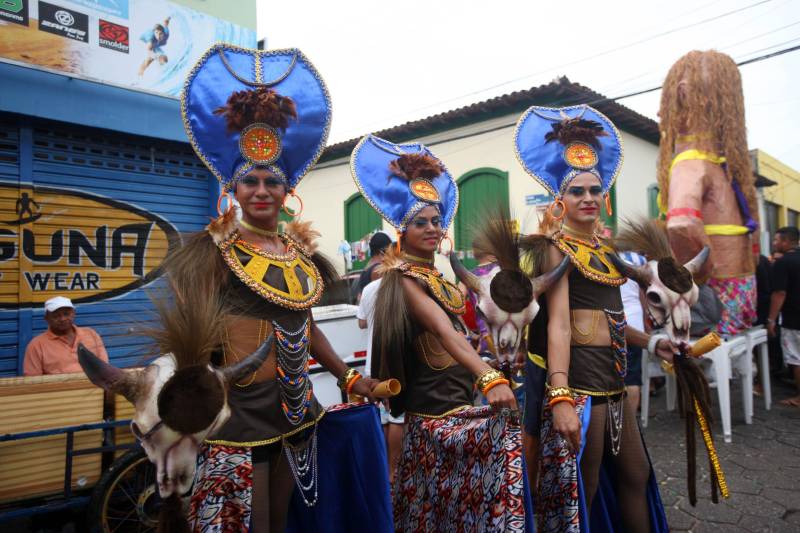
(139, 44)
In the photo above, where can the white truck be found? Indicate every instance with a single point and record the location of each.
(340, 326)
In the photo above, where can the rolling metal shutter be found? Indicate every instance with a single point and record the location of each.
(112, 176)
(9, 320)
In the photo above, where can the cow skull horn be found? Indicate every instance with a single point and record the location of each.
(543, 282)
(107, 376)
(640, 274)
(249, 364)
(467, 278)
(698, 261)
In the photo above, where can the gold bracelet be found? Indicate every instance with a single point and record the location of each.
(555, 392)
(486, 377)
(346, 377)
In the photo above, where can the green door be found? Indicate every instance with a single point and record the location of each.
(480, 192)
(359, 221)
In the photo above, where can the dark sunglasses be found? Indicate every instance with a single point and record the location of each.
(422, 222)
(594, 190)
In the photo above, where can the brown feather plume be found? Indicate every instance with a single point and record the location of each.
(191, 309)
(411, 166)
(264, 105)
(576, 129)
(303, 233)
(645, 236)
(496, 237)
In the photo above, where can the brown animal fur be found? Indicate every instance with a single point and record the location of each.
(674, 275)
(264, 105)
(177, 401)
(713, 107)
(412, 166)
(576, 129)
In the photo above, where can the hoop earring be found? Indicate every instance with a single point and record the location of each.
(608, 204)
(563, 212)
(293, 214)
(225, 195)
(452, 246)
(399, 241)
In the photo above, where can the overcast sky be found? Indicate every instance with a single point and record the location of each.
(386, 63)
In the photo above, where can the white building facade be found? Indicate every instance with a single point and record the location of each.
(476, 145)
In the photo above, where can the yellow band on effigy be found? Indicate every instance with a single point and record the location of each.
(726, 229)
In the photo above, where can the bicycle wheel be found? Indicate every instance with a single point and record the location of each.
(126, 500)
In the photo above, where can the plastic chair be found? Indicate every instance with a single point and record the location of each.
(757, 338)
(651, 367)
(739, 353)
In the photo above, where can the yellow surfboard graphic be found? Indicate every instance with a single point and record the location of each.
(64, 242)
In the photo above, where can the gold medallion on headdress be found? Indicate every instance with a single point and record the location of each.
(424, 190)
(260, 144)
(580, 155)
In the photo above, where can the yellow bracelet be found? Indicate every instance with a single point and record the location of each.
(492, 384)
(486, 377)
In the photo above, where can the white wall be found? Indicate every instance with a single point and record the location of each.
(487, 144)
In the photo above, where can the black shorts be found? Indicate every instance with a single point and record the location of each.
(535, 377)
(634, 375)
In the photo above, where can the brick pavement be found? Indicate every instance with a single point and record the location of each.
(761, 465)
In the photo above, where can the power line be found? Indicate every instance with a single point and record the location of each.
(588, 58)
(653, 89)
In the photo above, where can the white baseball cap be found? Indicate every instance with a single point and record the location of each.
(53, 304)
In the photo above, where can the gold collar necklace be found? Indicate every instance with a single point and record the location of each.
(577, 233)
(259, 231)
(416, 259)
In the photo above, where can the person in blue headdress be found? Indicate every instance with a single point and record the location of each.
(593, 467)
(461, 466)
(259, 121)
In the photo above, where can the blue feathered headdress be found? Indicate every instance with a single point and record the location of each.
(398, 180)
(244, 108)
(556, 144)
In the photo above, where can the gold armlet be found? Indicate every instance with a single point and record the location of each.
(486, 377)
(344, 381)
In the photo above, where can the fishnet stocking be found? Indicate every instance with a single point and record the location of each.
(632, 465)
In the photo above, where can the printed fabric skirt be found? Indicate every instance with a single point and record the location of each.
(463, 472)
(738, 297)
(560, 506)
(353, 481)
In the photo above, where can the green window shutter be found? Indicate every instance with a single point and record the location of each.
(480, 191)
(359, 220)
(652, 201)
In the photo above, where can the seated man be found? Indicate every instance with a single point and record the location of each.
(56, 350)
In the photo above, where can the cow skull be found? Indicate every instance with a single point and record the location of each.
(670, 291)
(175, 409)
(507, 299)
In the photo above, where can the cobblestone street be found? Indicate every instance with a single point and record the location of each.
(761, 465)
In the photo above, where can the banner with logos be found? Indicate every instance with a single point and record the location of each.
(145, 45)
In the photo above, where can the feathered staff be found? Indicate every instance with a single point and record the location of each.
(671, 291)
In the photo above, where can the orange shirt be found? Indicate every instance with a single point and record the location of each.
(49, 353)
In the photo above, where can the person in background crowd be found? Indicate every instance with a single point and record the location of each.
(763, 292)
(785, 300)
(634, 313)
(56, 350)
(392, 425)
(377, 247)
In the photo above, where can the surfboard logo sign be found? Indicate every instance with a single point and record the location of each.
(63, 242)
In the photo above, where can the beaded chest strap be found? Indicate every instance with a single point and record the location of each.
(589, 257)
(446, 293)
(303, 283)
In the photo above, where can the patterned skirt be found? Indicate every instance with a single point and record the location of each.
(462, 472)
(353, 481)
(738, 297)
